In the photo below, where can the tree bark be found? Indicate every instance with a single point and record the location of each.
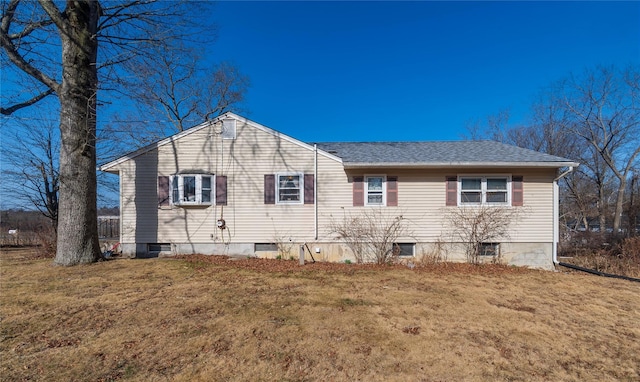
(77, 216)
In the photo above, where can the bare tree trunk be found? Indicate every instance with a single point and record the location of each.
(617, 219)
(632, 211)
(77, 216)
(602, 208)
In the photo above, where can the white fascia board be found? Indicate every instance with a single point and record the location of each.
(355, 165)
(107, 167)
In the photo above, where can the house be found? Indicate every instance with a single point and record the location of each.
(232, 186)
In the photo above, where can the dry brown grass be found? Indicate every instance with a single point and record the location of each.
(622, 258)
(208, 319)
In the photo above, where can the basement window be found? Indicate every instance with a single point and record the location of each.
(404, 249)
(265, 247)
(159, 247)
(489, 249)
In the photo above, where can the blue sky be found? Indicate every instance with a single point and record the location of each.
(421, 70)
(354, 71)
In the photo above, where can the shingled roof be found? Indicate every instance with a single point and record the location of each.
(440, 154)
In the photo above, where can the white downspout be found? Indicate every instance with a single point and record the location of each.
(556, 213)
(315, 190)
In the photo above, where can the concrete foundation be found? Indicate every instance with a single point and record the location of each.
(534, 255)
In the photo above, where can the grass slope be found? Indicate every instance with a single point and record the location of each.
(212, 319)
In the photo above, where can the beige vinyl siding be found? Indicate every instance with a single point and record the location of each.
(254, 153)
(421, 202)
(536, 223)
(244, 161)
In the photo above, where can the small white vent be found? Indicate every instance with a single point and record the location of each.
(229, 129)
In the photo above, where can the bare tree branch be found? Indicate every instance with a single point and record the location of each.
(35, 99)
(14, 56)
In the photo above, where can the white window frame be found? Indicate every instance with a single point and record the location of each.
(300, 200)
(198, 197)
(384, 190)
(483, 189)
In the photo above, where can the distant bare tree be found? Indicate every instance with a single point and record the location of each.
(604, 104)
(550, 132)
(176, 92)
(31, 175)
(494, 127)
(593, 118)
(633, 205)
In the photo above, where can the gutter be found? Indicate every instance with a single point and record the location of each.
(556, 214)
(359, 165)
(315, 193)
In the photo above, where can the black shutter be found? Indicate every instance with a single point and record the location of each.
(452, 190)
(163, 190)
(221, 190)
(309, 189)
(269, 189)
(358, 191)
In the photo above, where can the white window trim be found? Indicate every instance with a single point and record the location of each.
(198, 201)
(366, 190)
(301, 198)
(483, 186)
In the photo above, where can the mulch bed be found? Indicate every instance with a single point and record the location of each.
(289, 266)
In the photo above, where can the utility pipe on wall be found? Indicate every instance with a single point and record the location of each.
(315, 190)
(556, 213)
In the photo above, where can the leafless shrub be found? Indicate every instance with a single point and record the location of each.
(285, 246)
(474, 226)
(436, 254)
(370, 234)
(46, 238)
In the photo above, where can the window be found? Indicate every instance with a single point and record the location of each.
(489, 249)
(289, 188)
(259, 247)
(496, 190)
(188, 189)
(404, 249)
(206, 189)
(191, 189)
(471, 190)
(375, 190)
(229, 129)
(159, 247)
(484, 190)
